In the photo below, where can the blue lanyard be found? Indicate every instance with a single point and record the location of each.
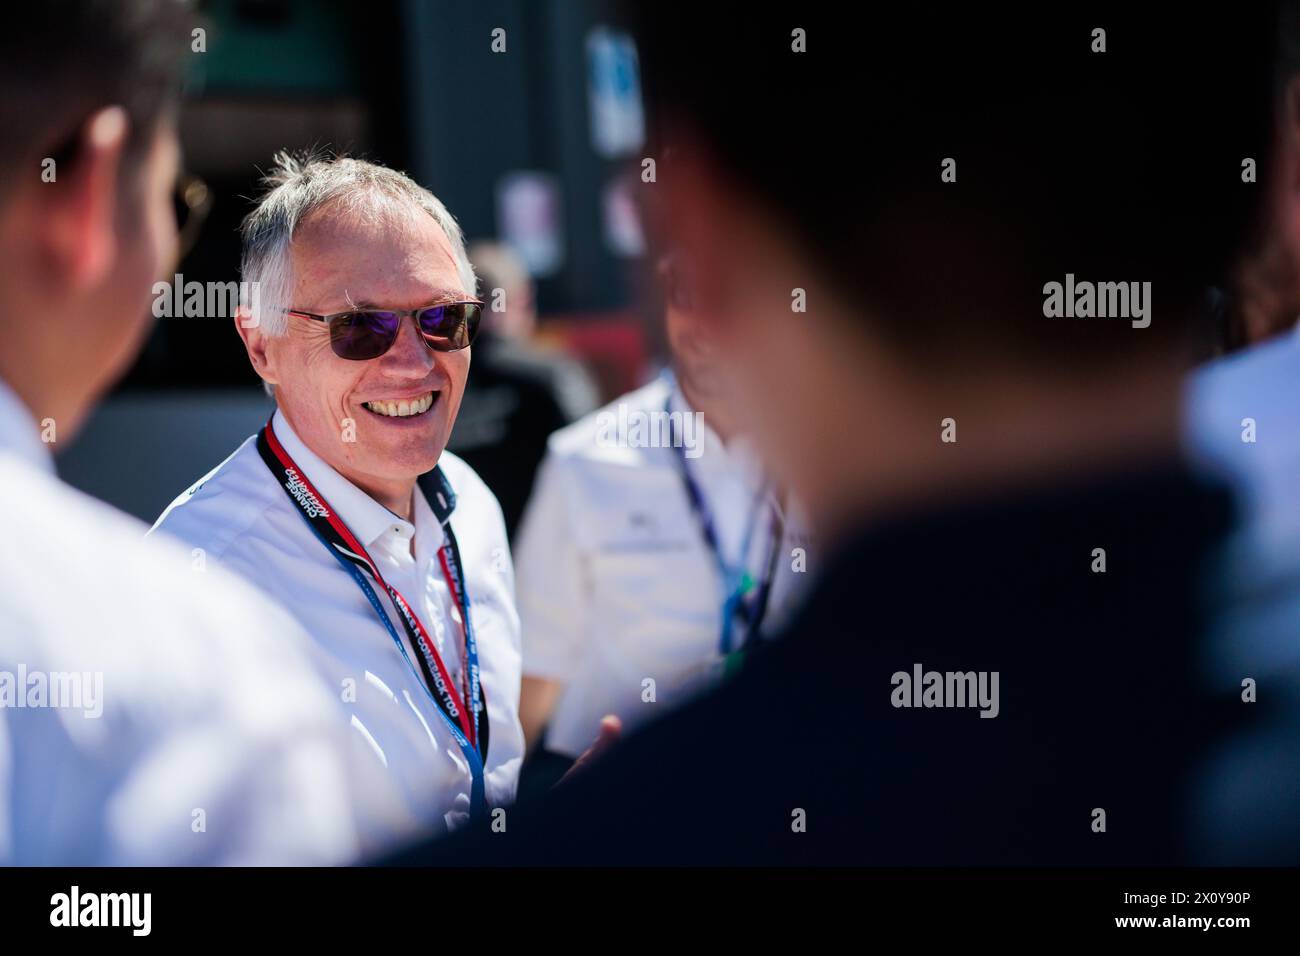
(329, 529)
(736, 580)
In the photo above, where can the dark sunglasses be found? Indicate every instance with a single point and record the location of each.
(363, 334)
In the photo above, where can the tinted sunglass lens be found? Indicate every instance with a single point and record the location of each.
(363, 335)
(448, 328)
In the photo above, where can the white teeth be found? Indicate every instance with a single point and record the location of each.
(402, 409)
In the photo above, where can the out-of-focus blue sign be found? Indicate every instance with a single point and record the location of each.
(614, 93)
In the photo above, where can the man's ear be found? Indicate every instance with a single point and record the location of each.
(256, 343)
(80, 207)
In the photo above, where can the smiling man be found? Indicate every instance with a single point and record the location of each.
(345, 507)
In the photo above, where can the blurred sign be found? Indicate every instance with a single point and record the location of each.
(528, 218)
(614, 93)
(623, 233)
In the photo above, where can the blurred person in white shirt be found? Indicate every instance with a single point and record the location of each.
(520, 390)
(1241, 425)
(152, 710)
(653, 551)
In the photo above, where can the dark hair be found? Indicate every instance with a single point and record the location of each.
(1122, 165)
(1263, 297)
(61, 60)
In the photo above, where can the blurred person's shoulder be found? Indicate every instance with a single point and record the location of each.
(1239, 421)
(84, 570)
(188, 667)
(1267, 372)
(603, 436)
(177, 634)
(1240, 413)
(215, 511)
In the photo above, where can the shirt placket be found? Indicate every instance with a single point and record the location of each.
(394, 544)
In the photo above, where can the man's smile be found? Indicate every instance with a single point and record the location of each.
(412, 407)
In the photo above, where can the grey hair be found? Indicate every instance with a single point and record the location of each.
(299, 184)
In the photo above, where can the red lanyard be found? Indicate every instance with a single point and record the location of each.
(350, 551)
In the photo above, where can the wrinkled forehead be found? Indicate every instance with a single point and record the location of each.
(393, 257)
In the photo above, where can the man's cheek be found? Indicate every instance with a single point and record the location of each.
(460, 362)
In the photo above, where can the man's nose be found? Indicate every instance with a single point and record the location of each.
(410, 355)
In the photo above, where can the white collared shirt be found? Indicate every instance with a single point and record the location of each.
(243, 520)
(616, 583)
(151, 712)
(1241, 425)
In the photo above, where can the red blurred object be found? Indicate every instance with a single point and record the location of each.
(612, 345)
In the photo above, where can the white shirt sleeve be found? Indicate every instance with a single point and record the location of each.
(549, 578)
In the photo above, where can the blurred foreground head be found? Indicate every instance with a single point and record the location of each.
(698, 351)
(88, 163)
(874, 211)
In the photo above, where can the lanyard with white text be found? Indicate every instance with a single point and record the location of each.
(468, 724)
(739, 585)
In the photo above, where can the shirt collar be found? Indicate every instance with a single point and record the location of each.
(429, 534)
(18, 432)
(364, 516)
(438, 494)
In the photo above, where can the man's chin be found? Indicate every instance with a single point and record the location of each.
(414, 454)
(401, 447)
